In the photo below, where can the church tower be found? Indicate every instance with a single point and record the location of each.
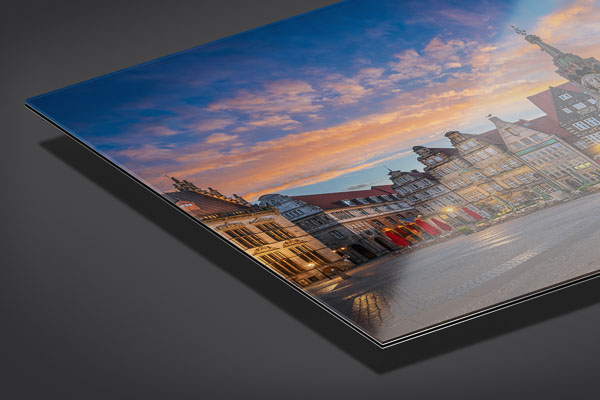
(583, 72)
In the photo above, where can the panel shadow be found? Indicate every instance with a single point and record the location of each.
(337, 333)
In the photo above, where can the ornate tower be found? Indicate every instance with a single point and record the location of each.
(584, 72)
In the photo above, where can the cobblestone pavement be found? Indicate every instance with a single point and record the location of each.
(397, 295)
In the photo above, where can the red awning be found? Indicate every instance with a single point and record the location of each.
(428, 228)
(473, 214)
(444, 226)
(399, 240)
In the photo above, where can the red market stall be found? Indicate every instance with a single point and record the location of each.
(472, 214)
(399, 240)
(432, 230)
(442, 225)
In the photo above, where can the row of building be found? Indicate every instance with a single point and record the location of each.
(309, 238)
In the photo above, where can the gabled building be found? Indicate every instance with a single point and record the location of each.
(261, 232)
(455, 176)
(433, 200)
(553, 162)
(575, 112)
(373, 216)
(314, 221)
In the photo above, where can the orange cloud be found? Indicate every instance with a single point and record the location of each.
(497, 79)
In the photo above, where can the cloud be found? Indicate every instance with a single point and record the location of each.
(282, 96)
(346, 91)
(480, 78)
(411, 65)
(211, 124)
(220, 138)
(273, 120)
(147, 153)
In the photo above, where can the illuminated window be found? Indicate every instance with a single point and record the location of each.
(309, 255)
(277, 261)
(275, 231)
(245, 237)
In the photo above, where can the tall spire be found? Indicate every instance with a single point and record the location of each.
(584, 72)
(534, 39)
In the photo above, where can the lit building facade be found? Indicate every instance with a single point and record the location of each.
(313, 220)
(575, 112)
(456, 175)
(261, 232)
(433, 200)
(372, 216)
(494, 179)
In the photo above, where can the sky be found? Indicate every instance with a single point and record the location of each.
(327, 100)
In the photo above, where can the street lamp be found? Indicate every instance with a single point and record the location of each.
(310, 265)
(449, 210)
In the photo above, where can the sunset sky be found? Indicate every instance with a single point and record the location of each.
(322, 102)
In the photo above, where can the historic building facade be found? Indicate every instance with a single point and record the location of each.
(552, 160)
(433, 200)
(375, 217)
(495, 179)
(314, 221)
(260, 231)
(575, 112)
(456, 174)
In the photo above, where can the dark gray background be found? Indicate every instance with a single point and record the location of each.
(108, 293)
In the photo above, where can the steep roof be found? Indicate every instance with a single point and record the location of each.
(329, 201)
(207, 205)
(545, 124)
(544, 101)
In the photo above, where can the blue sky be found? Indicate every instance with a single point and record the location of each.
(322, 101)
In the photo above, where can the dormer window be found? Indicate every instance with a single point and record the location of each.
(579, 106)
(387, 198)
(375, 199)
(567, 110)
(348, 203)
(565, 96)
(438, 158)
(591, 101)
(362, 201)
(471, 143)
(431, 162)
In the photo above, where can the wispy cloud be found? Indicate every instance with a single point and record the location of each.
(414, 95)
(220, 137)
